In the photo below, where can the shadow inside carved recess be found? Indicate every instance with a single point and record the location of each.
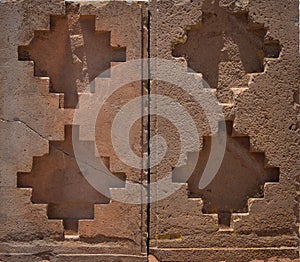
(56, 180)
(226, 47)
(241, 176)
(72, 54)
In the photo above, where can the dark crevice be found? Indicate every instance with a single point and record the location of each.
(148, 134)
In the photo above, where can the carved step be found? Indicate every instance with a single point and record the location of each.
(241, 195)
(62, 188)
(67, 34)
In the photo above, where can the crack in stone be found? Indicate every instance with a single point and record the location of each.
(77, 160)
(51, 145)
(22, 122)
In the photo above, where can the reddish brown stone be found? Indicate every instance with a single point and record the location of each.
(52, 53)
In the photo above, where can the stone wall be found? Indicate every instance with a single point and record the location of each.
(60, 60)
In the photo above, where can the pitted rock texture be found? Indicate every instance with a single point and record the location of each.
(250, 60)
(227, 48)
(72, 54)
(241, 176)
(56, 180)
(52, 56)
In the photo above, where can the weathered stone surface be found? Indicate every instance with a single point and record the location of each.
(58, 56)
(251, 62)
(51, 54)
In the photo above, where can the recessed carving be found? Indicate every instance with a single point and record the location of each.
(226, 47)
(56, 180)
(72, 54)
(241, 176)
